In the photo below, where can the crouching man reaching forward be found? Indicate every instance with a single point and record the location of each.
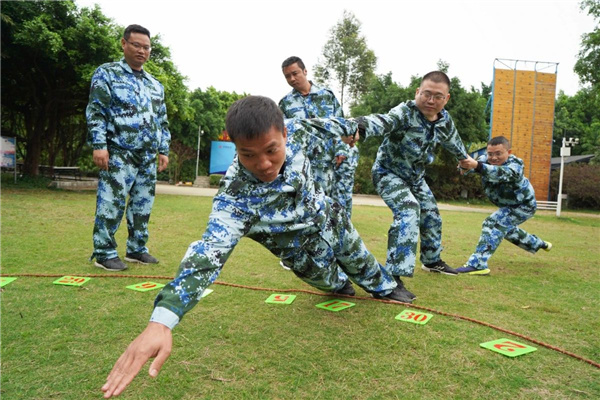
(267, 195)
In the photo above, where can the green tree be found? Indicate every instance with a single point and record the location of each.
(208, 109)
(347, 59)
(578, 116)
(49, 52)
(588, 62)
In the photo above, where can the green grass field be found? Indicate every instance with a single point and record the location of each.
(60, 342)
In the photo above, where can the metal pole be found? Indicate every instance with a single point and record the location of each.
(198, 152)
(560, 180)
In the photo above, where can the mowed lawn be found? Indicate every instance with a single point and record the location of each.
(60, 342)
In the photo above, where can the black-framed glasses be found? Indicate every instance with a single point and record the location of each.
(428, 95)
(138, 46)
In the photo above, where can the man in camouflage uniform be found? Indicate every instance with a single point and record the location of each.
(307, 100)
(411, 132)
(504, 184)
(127, 123)
(268, 195)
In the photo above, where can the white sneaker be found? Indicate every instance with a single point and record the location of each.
(283, 266)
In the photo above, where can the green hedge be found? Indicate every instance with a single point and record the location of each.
(581, 183)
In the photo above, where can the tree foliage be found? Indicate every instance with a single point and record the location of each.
(207, 110)
(49, 52)
(578, 116)
(347, 59)
(588, 62)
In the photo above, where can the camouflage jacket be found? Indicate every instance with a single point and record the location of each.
(280, 215)
(127, 112)
(318, 103)
(410, 140)
(505, 184)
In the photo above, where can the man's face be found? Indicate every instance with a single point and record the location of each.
(136, 50)
(431, 97)
(498, 154)
(265, 155)
(296, 77)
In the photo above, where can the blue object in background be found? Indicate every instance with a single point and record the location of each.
(221, 156)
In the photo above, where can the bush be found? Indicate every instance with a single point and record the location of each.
(581, 182)
(442, 177)
(215, 180)
(447, 184)
(363, 182)
(25, 181)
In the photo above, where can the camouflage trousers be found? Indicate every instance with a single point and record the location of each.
(326, 259)
(344, 180)
(129, 174)
(416, 215)
(503, 224)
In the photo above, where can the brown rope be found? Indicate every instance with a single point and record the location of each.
(500, 329)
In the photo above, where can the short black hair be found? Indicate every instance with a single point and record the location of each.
(135, 29)
(251, 117)
(437, 77)
(292, 60)
(495, 141)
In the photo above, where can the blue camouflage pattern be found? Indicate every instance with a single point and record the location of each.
(126, 115)
(320, 151)
(320, 102)
(129, 174)
(127, 112)
(409, 144)
(290, 216)
(512, 192)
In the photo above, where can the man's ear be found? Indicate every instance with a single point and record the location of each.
(285, 133)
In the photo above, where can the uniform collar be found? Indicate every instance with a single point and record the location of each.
(313, 90)
(127, 68)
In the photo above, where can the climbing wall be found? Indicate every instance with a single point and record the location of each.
(523, 112)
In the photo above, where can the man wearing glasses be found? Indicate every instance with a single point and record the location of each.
(127, 128)
(411, 132)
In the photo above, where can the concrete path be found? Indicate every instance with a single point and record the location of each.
(362, 200)
(358, 199)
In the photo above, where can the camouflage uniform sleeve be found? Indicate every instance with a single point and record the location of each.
(203, 260)
(165, 138)
(383, 124)
(328, 128)
(98, 109)
(451, 141)
(334, 128)
(512, 171)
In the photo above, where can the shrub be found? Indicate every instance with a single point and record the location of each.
(363, 182)
(581, 182)
(447, 184)
(215, 180)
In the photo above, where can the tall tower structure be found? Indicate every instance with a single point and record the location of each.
(523, 97)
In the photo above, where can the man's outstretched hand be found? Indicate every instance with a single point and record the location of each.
(154, 342)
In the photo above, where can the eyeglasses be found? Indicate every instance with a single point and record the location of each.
(138, 46)
(496, 154)
(428, 95)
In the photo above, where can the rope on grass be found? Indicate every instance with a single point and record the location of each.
(235, 285)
